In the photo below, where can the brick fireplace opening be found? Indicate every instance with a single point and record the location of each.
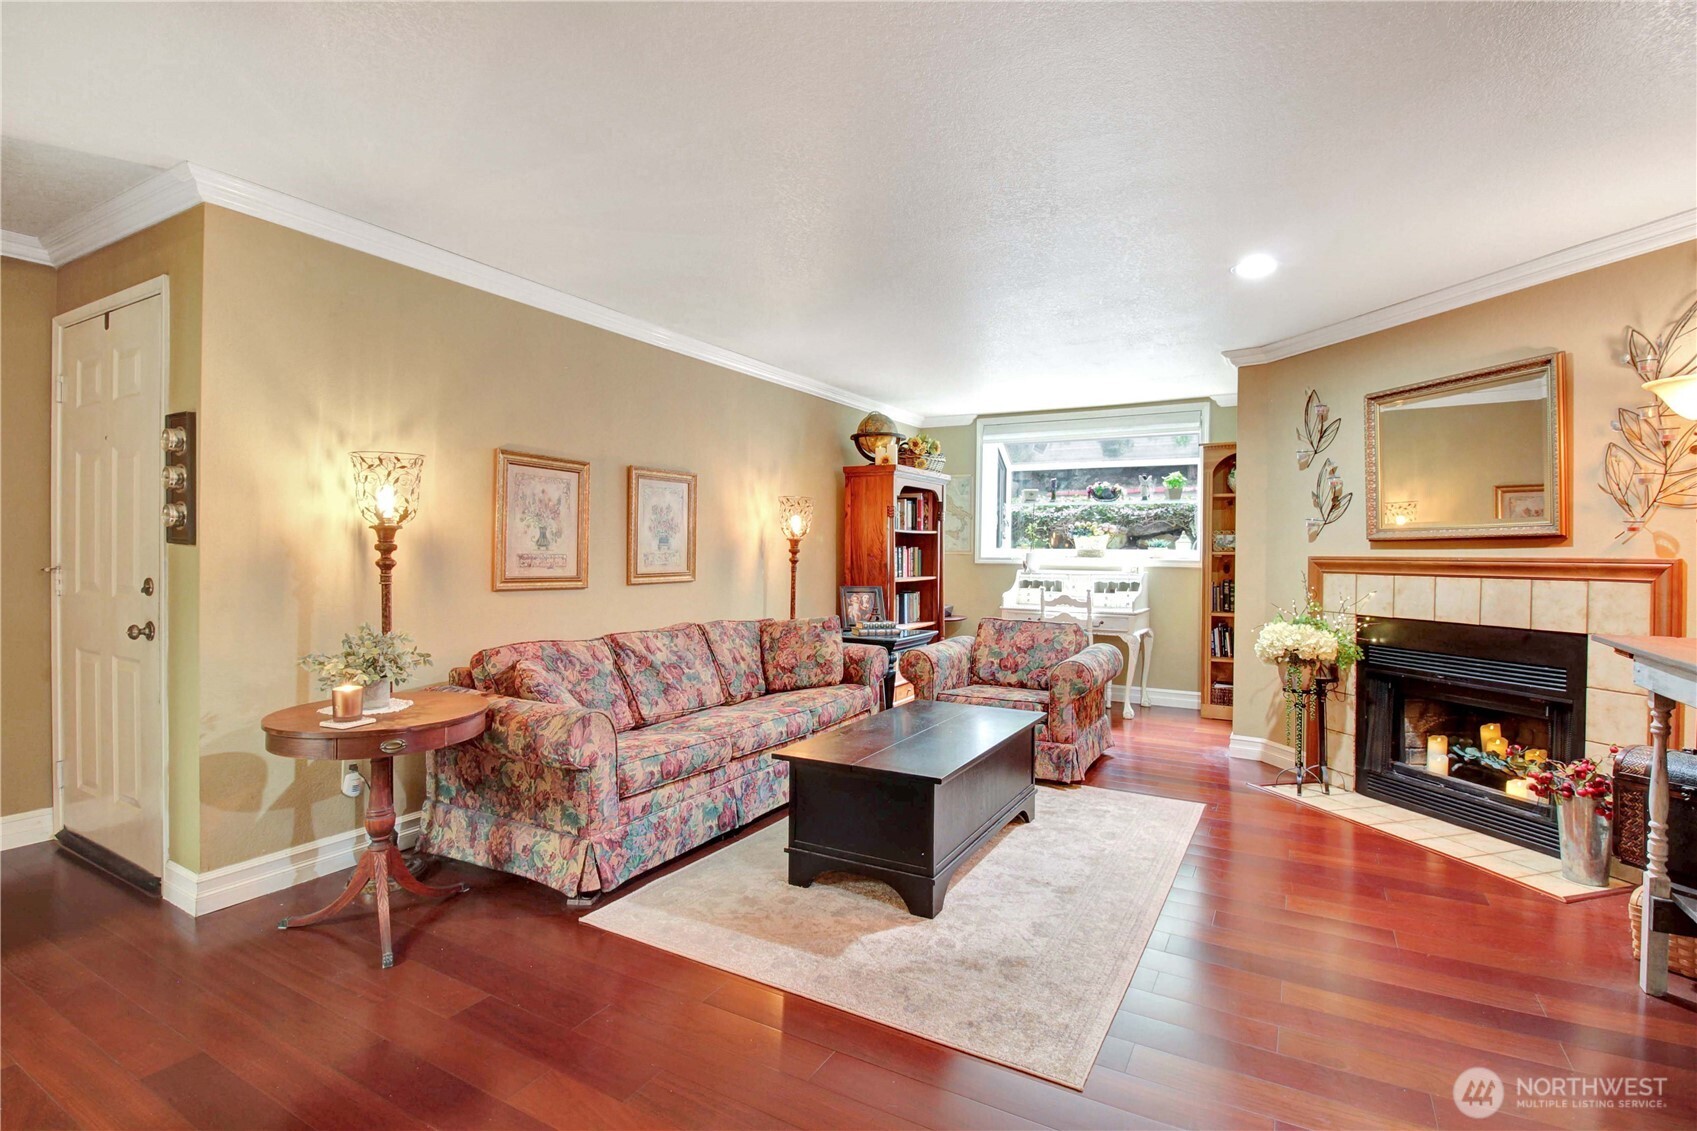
(1437, 703)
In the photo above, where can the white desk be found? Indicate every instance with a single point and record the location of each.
(1666, 667)
(1120, 608)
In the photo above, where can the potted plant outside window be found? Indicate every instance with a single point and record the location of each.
(1091, 539)
(1174, 484)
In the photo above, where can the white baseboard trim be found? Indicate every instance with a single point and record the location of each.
(1158, 697)
(31, 827)
(1260, 750)
(200, 893)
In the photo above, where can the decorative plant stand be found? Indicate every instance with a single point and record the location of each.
(1306, 686)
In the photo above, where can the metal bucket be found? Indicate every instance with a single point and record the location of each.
(1584, 841)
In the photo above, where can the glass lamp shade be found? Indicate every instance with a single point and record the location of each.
(795, 515)
(387, 485)
(1678, 393)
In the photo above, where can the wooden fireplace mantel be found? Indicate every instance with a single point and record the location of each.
(1665, 576)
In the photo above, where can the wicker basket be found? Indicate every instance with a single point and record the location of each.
(1682, 950)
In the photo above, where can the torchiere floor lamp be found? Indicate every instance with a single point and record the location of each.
(795, 518)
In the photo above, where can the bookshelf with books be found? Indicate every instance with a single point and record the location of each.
(1218, 538)
(892, 538)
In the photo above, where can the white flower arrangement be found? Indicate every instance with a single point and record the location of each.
(1311, 636)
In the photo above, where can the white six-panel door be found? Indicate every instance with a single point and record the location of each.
(110, 556)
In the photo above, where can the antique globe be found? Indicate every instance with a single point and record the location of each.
(874, 429)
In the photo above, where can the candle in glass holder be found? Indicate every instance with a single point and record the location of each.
(1518, 788)
(1438, 755)
(347, 702)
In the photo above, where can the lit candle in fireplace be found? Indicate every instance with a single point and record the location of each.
(1518, 788)
(1438, 755)
(1489, 733)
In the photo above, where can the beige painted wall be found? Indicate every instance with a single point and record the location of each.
(26, 405)
(1451, 460)
(312, 350)
(1175, 592)
(172, 248)
(1582, 314)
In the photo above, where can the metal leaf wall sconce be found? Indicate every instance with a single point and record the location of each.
(1329, 499)
(1317, 431)
(1655, 465)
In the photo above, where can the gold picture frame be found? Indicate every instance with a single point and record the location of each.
(659, 510)
(1553, 437)
(541, 522)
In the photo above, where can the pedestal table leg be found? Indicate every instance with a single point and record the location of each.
(381, 862)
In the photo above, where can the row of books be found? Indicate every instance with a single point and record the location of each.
(1220, 642)
(910, 562)
(917, 512)
(1225, 596)
(907, 607)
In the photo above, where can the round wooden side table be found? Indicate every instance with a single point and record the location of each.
(435, 719)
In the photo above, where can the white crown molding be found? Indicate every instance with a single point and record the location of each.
(156, 199)
(15, 245)
(1225, 400)
(187, 185)
(201, 893)
(32, 827)
(948, 421)
(1653, 236)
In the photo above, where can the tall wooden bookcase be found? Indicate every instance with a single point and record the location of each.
(892, 512)
(1217, 504)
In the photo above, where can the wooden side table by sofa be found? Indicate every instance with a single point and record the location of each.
(895, 646)
(435, 719)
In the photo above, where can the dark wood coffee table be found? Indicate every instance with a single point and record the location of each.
(906, 795)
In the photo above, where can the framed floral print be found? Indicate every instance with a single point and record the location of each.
(1520, 502)
(660, 545)
(541, 522)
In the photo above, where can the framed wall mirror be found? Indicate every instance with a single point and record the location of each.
(1481, 455)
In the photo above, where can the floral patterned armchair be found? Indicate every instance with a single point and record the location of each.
(1028, 666)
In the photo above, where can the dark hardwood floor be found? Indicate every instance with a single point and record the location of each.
(1306, 972)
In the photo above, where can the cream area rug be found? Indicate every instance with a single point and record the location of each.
(1025, 965)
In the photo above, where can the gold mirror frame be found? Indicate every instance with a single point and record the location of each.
(1558, 425)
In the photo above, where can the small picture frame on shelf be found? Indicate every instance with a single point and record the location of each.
(860, 604)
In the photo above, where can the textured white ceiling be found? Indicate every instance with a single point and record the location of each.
(952, 208)
(43, 185)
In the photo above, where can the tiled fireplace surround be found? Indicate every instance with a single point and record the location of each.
(1625, 596)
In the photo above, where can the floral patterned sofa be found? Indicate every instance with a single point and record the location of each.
(604, 758)
(1031, 666)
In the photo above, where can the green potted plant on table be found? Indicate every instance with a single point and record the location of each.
(375, 660)
(1174, 484)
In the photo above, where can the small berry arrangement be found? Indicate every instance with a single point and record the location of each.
(1575, 779)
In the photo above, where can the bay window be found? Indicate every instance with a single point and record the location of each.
(1129, 476)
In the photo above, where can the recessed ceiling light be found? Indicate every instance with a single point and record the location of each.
(1255, 266)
